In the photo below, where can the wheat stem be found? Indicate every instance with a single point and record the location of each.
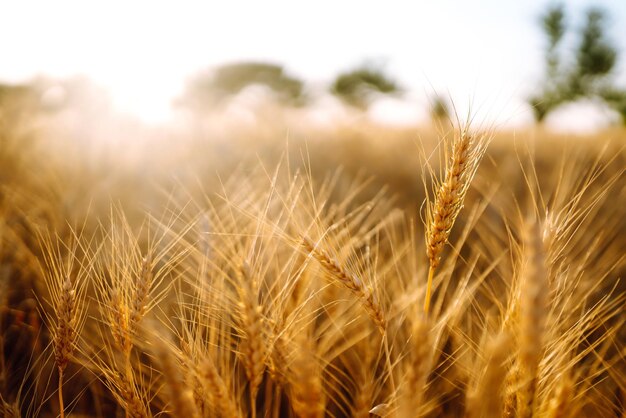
(467, 153)
(429, 287)
(61, 407)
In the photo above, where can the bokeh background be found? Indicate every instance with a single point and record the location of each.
(155, 63)
(217, 136)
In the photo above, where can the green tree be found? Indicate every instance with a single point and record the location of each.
(616, 99)
(596, 55)
(554, 91)
(553, 23)
(211, 87)
(588, 74)
(359, 86)
(439, 108)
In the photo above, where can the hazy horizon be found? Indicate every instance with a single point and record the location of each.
(487, 52)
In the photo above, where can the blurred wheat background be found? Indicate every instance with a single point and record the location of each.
(279, 248)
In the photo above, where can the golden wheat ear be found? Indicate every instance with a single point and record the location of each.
(559, 405)
(466, 153)
(306, 393)
(180, 396)
(218, 390)
(253, 347)
(64, 278)
(534, 293)
(351, 281)
(486, 398)
(9, 410)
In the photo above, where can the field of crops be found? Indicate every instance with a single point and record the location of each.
(352, 270)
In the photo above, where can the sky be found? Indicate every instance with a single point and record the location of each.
(485, 52)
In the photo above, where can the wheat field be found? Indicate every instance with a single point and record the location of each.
(346, 271)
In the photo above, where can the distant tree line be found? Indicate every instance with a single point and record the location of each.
(356, 87)
(587, 71)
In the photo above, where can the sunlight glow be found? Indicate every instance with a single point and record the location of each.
(143, 52)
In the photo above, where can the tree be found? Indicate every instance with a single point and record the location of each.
(211, 87)
(616, 99)
(588, 74)
(596, 55)
(439, 108)
(359, 86)
(553, 23)
(553, 91)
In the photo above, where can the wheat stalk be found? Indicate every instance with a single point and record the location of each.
(534, 293)
(467, 152)
(66, 299)
(350, 281)
(253, 346)
(219, 392)
(124, 302)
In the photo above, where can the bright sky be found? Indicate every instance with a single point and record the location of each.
(488, 51)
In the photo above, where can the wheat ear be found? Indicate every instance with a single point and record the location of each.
(66, 298)
(467, 152)
(253, 346)
(141, 294)
(351, 281)
(125, 305)
(534, 292)
(134, 406)
(65, 331)
(180, 396)
(9, 410)
(560, 402)
(486, 399)
(277, 364)
(118, 315)
(219, 392)
(128, 306)
(307, 394)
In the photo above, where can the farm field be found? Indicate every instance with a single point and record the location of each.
(344, 270)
